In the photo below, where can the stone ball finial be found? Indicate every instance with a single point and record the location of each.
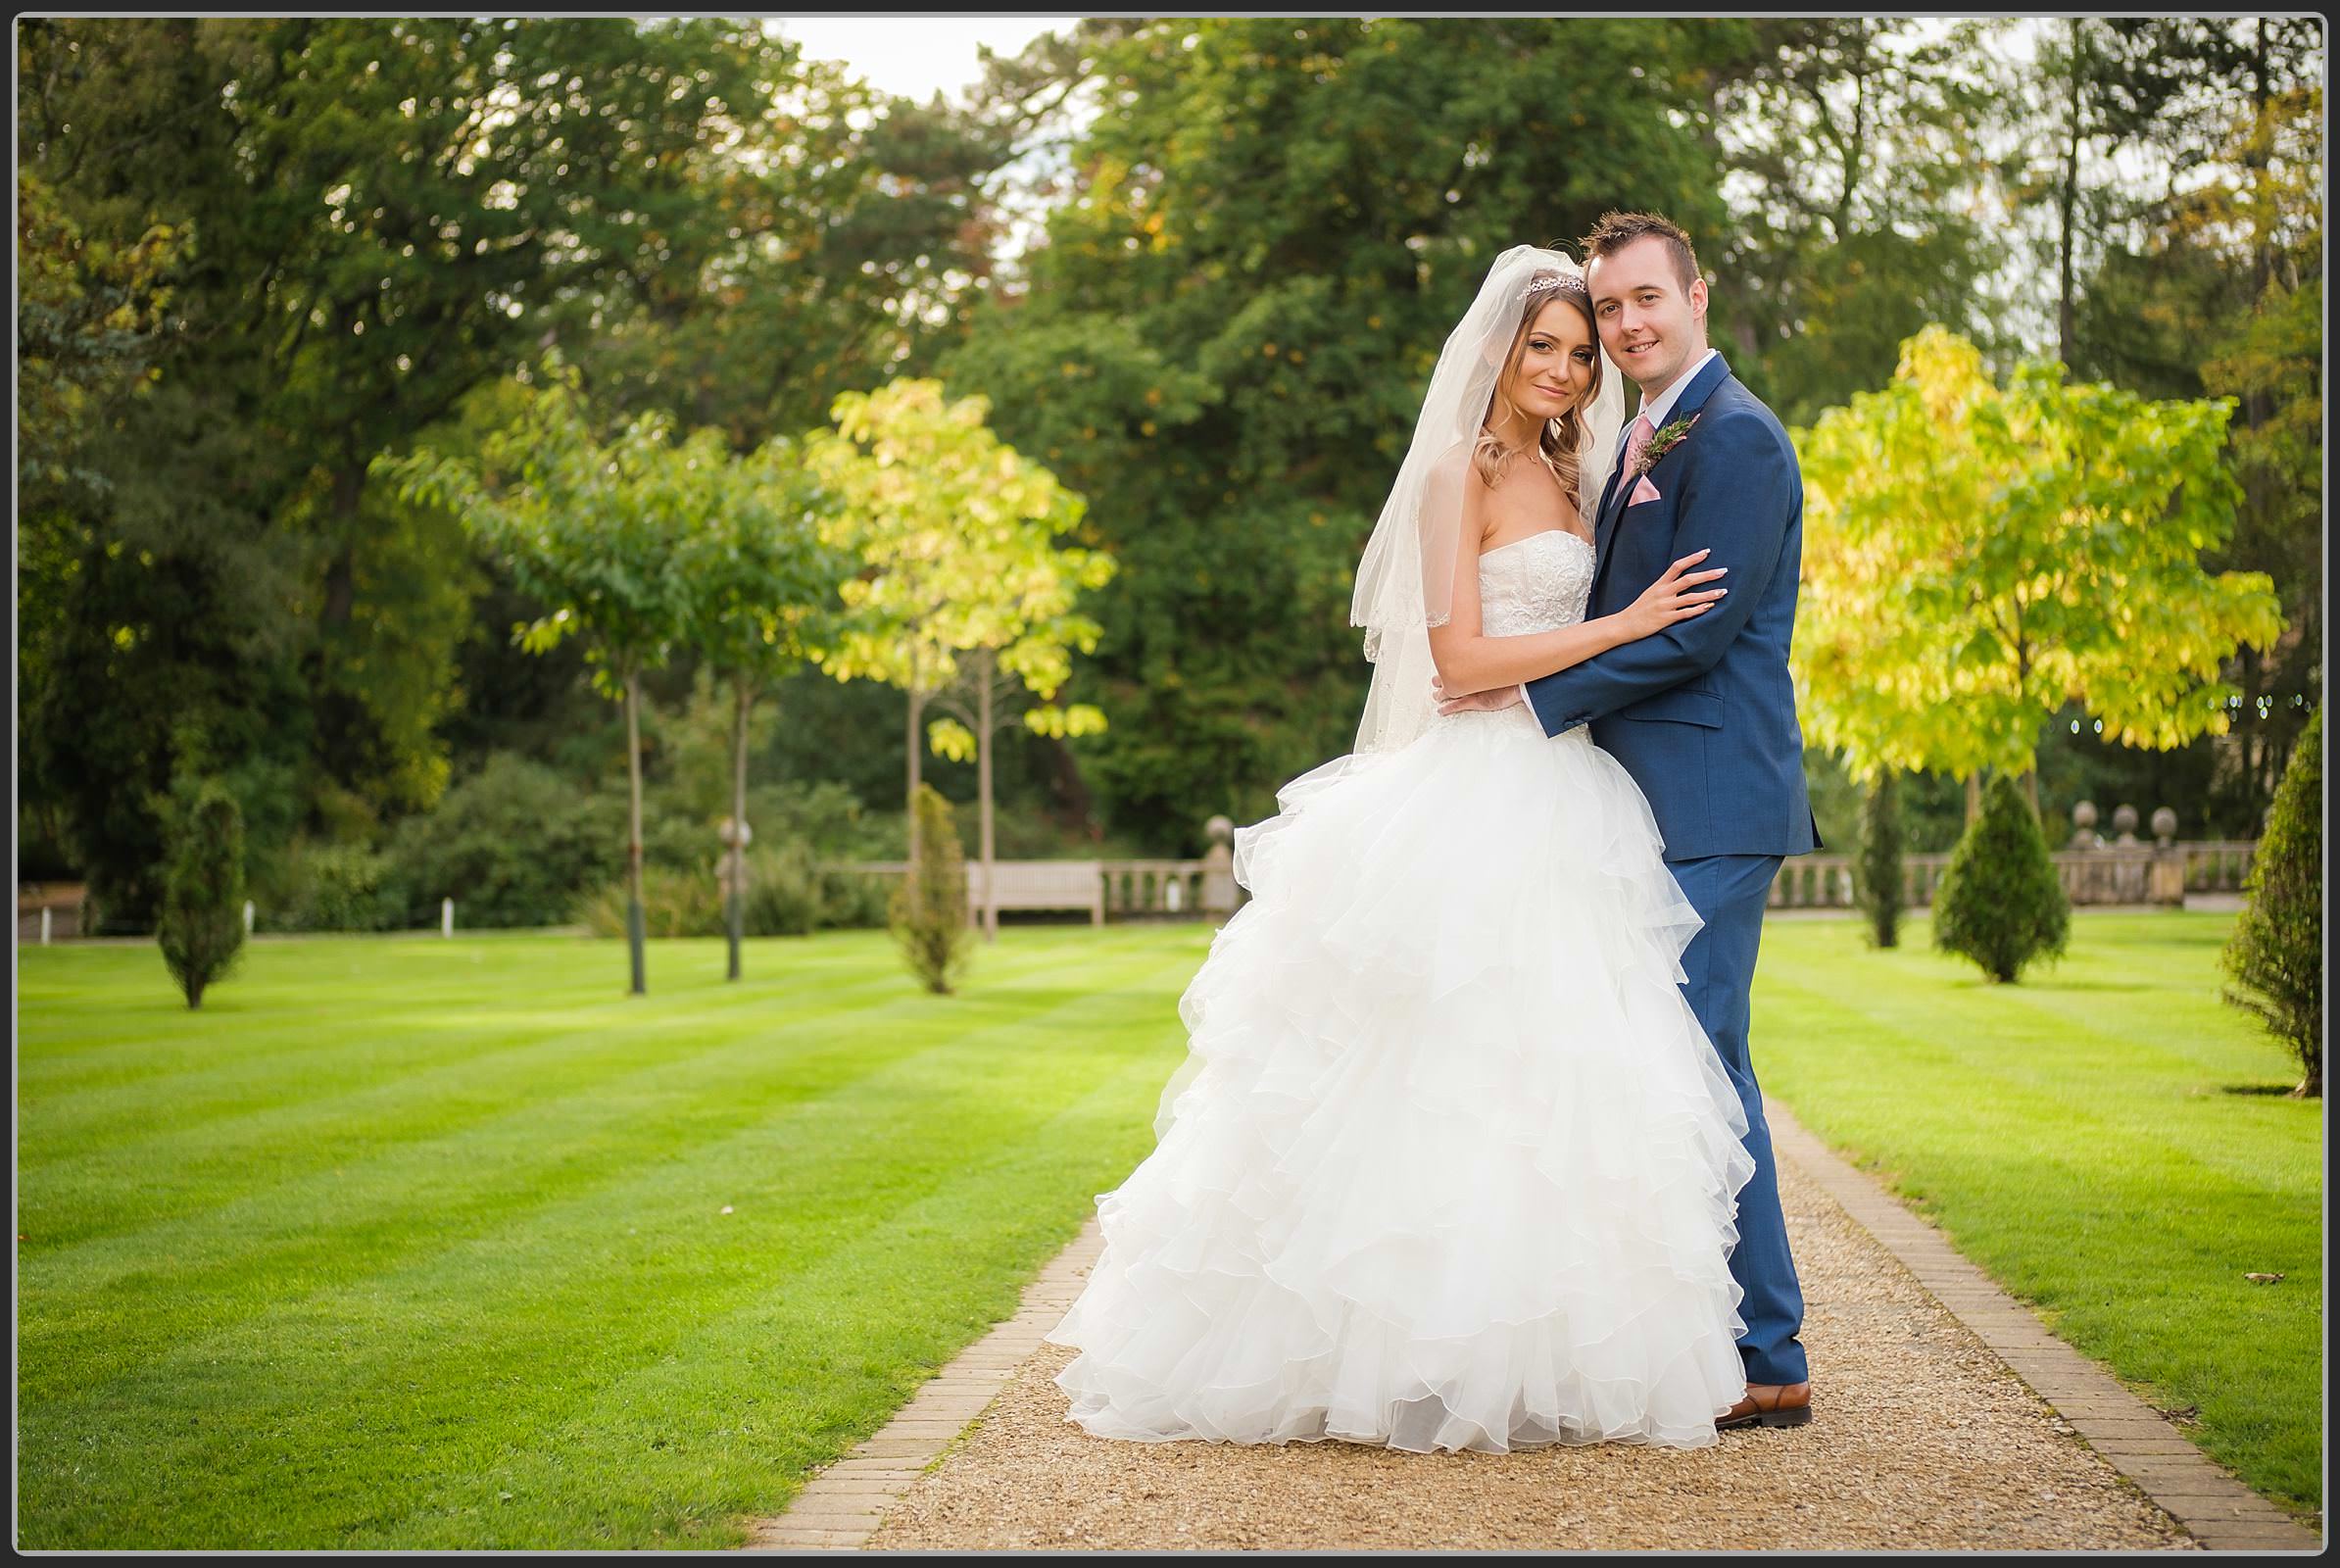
(2084, 815)
(1220, 829)
(2164, 824)
(2125, 825)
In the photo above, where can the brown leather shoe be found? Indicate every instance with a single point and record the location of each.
(1768, 1404)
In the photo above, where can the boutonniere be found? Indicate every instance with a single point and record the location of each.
(1661, 443)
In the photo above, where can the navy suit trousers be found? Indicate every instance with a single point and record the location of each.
(1729, 892)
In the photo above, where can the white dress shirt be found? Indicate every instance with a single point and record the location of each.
(1654, 409)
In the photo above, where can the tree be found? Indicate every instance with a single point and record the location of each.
(765, 580)
(2275, 954)
(958, 533)
(1977, 559)
(1264, 233)
(1855, 168)
(90, 323)
(596, 531)
(1999, 902)
(1877, 875)
(387, 214)
(842, 235)
(928, 915)
(202, 925)
(2211, 285)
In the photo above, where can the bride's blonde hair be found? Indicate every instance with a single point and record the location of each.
(1557, 441)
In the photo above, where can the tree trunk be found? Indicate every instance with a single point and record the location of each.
(985, 663)
(909, 797)
(1974, 796)
(2068, 200)
(633, 847)
(736, 913)
(341, 571)
(2030, 783)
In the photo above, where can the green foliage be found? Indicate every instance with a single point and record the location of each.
(928, 915)
(1876, 870)
(514, 846)
(260, 251)
(2212, 286)
(765, 573)
(202, 926)
(1855, 148)
(957, 533)
(1999, 900)
(594, 529)
(337, 887)
(2275, 955)
(1924, 640)
(788, 895)
(1225, 341)
(90, 323)
(383, 211)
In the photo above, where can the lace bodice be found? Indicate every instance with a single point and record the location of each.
(1540, 583)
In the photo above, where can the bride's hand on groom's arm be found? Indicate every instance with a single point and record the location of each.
(1678, 595)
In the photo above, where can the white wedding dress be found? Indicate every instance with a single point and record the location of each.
(1450, 1163)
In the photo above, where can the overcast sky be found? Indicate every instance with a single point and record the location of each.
(914, 56)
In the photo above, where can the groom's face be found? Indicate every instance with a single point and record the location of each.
(1650, 325)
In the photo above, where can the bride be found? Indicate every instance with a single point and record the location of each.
(1450, 1164)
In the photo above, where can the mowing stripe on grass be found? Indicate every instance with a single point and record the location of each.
(2078, 1135)
(215, 1267)
(338, 1404)
(738, 1431)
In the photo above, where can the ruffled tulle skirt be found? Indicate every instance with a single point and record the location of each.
(1450, 1163)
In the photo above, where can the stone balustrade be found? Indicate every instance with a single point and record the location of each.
(2094, 870)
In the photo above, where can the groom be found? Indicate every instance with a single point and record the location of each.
(1702, 714)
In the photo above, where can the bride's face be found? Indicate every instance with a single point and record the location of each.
(1557, 363)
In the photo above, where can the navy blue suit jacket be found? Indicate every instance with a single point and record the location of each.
(1702, 714)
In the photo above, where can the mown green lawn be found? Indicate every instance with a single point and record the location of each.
(405, 1242)
(423, 1244)
(2106, 1138)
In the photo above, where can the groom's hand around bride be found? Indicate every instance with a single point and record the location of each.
(1473, 701)
(1679, 594)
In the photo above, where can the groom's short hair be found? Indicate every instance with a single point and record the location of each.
(1616, 230)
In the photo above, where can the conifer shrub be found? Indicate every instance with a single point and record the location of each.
(201, 928)
(929, 911)
(1876, 871)
(1999, 902)
(2275, 952)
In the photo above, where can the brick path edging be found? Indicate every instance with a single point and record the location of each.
(2217, 1510)
(841, 1506)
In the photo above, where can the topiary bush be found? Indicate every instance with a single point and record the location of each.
(1876, 870)
(929, 913)
(1999, 902)
(2275, 954)
(200, 927)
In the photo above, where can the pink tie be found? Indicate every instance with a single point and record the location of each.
(1637, 440)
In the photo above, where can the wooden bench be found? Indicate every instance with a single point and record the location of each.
(1020, 884)
(1041, 885)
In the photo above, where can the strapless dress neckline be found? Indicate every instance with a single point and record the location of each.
(1565, 533)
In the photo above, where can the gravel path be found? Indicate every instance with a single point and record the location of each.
(1921, 1437)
